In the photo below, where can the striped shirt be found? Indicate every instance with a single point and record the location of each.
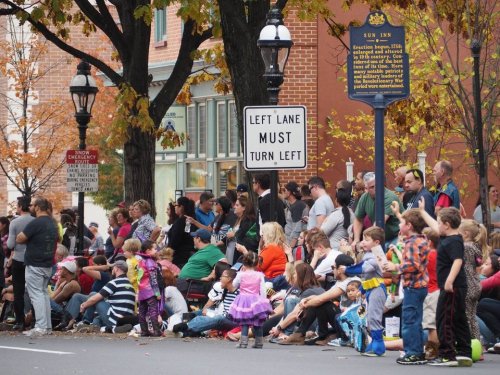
(121, 297)
(228, 300)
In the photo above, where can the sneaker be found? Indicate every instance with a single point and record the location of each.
(180, 327)
(445, 362)
(412, 359)
(338, 342)
(123, 329)
(464, 361)
(34, 332)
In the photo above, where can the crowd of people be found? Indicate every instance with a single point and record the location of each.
(319, 273)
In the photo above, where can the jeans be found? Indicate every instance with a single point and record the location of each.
(488, 338)
(57, 308)
(18, 283)
(488, 310)
(257, 330)
(73, 305)
(101, 319)
(204, 323)
(289, 304)
(412, 331)
(37, 281)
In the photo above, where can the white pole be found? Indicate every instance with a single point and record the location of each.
(349, 165)
(421, 162)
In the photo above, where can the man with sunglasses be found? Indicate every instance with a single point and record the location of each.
(323, 204)
(414, 185)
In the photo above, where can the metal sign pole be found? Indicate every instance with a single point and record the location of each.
(379, 106)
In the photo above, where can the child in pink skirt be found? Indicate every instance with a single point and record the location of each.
(250, 307)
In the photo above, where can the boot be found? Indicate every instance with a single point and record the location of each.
(259, 342)
(243, 342)
(156, 328)
(65, 319)
(144, 329)
(377, 346)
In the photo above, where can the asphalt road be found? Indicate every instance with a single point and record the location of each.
(119, 355)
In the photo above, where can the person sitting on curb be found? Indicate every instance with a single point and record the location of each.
(66, 286)
(201, 264)
(115, 300)
(211, 318)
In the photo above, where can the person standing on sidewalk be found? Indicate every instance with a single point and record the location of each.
(40, 237)
(16, 260)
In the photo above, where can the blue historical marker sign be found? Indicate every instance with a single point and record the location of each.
(377, 62)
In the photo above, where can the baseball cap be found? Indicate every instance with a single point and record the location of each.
(203, 234)
(122, 265)
(242, 188)
(94, 224)
(70, 266)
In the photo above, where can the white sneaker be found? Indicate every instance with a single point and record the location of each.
(34, 332)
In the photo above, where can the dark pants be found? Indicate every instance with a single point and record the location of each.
(149, 307)
(325, 313)
(18, 283)
(270, 323)
(453, 329)
(488, 310)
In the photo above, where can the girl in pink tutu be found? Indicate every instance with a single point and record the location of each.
(250, 307)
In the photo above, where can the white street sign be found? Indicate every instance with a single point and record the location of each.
(275, 137)
(82, 170)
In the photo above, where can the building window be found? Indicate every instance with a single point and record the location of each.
(228, 176)
(234, 139)
(160, 25)
(202, 130)
(196, 173)
(191, 131)
(221, 129)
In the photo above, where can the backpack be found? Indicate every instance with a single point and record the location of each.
(159, 278)
(69, 238)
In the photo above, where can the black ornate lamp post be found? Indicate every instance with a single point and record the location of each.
(83, 90)
(274, 43)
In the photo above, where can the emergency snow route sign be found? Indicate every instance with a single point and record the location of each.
(275, 137)
(82, 170)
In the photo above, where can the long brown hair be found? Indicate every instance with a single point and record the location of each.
(305, 278)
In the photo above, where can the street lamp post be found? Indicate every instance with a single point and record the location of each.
(83, 90)
(274, 43)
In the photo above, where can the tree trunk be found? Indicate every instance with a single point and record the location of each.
(139, 167)
(240, 31)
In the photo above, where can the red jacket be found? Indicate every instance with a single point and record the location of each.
(491, 282)
(272, 261)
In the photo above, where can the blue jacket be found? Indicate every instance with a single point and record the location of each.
(451, 190)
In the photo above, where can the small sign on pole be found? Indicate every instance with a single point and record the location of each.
(275, 137)
(82, 170)
(378, 73)
(377, 62)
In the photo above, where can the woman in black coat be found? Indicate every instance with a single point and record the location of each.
(178, 238)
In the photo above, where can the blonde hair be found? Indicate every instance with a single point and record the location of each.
(478, 234)
(166, 253)
(133, 245)
(62, 250)
(272, 232)
(290, 274)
